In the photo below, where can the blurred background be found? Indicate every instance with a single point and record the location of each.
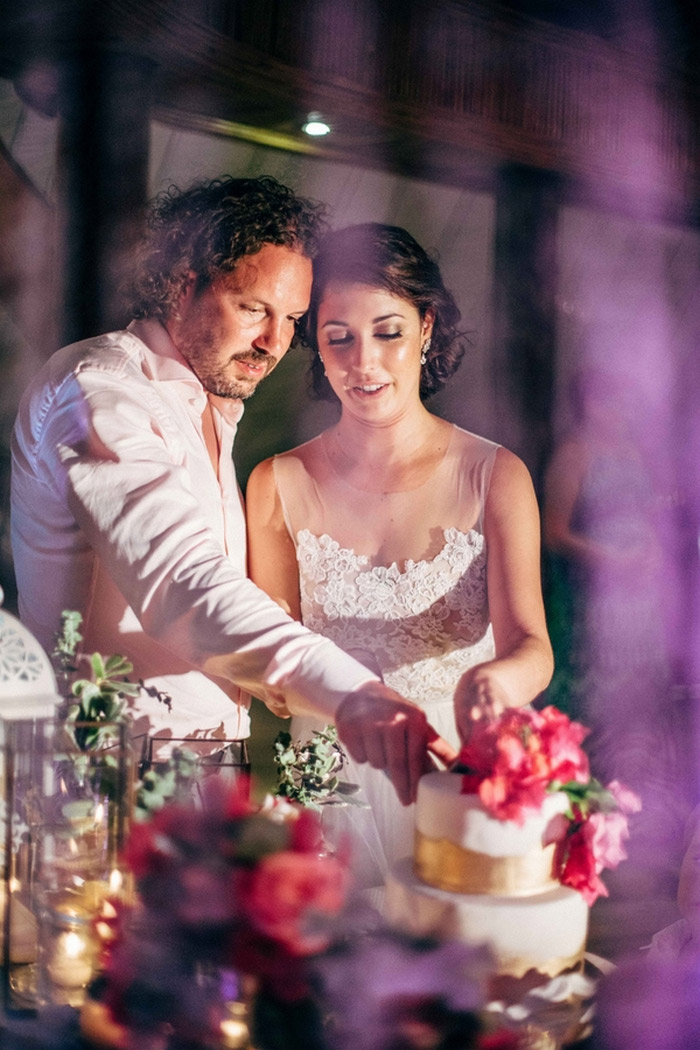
(547, 151)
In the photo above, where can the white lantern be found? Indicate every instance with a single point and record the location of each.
(27, 681)
(28, 703)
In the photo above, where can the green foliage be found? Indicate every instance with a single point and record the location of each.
(98, 698)
(67, 641)
(307, 773)
(165, 781)
(94, 706)
(591, 797)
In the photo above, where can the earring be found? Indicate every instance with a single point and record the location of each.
(322, 362)
(424, 351)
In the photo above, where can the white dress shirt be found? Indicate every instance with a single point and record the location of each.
(117, 512)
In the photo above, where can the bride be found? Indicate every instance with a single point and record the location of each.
(410, 542)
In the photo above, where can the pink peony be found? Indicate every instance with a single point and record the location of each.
(627, 800)
(286, 891)
(608, 832)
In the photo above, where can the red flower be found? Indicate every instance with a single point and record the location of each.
(513, 761)
(143, 854)
(508, 764)
(305, 832)
(278, 971)
(561, 741)
(500, 1040)
(577, 866)
(286, 891)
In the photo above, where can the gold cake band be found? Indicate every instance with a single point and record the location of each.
(442, 864)
(518, 967)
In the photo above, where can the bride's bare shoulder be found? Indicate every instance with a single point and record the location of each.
(467, 443)
(306, 457)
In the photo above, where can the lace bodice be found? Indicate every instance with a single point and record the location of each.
(398, 579)
(421, 626)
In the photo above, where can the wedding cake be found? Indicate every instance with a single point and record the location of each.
(509, 848)
(483, 880)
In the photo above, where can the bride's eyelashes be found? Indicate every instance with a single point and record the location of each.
(347, 337)
(339, 340)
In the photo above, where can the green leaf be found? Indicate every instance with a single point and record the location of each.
(118, 665)
(98, 666)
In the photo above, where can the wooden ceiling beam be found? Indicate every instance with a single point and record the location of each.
(449, 89)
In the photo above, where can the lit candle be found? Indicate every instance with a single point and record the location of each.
(70, 965)
(94, 892)
(234, 1029)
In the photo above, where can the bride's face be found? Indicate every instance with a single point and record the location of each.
(370, 343)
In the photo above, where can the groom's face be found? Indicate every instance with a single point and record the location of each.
(234, 331)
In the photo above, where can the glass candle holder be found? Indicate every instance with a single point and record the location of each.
(229, 759)
(68, 790)
(68, 952)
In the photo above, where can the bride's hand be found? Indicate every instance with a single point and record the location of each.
(378, 726)
(478, 696)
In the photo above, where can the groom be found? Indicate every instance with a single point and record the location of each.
(125, 505)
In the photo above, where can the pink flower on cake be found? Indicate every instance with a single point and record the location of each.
(609, 831)
(561, 741)
(513, 762)
(627, 800)
(577, 865)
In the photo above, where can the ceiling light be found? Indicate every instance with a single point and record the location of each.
(316, 126)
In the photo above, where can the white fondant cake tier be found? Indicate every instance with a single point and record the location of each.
(546, 932)
(443, 812)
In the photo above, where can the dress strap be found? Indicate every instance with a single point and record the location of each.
(277, 472)
(486, 472)
(471, 468)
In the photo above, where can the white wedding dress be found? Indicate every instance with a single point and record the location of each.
(420, 624)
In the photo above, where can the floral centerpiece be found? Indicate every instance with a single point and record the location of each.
(225, 887)
(515, 761)
(236, 900)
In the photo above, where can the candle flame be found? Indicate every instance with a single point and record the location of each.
(74, 945)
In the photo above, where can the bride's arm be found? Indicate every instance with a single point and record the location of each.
(272, 562)
(523, 664)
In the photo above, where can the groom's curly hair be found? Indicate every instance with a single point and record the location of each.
(388, 257)
(208, 227)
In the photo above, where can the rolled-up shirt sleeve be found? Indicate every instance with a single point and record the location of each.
(109, 452)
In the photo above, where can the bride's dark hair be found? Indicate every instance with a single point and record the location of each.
(381, 256)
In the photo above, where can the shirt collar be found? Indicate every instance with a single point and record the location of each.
(168, 365)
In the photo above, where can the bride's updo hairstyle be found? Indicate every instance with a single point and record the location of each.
(386, 257)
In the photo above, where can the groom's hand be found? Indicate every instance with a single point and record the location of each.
(378, 726)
